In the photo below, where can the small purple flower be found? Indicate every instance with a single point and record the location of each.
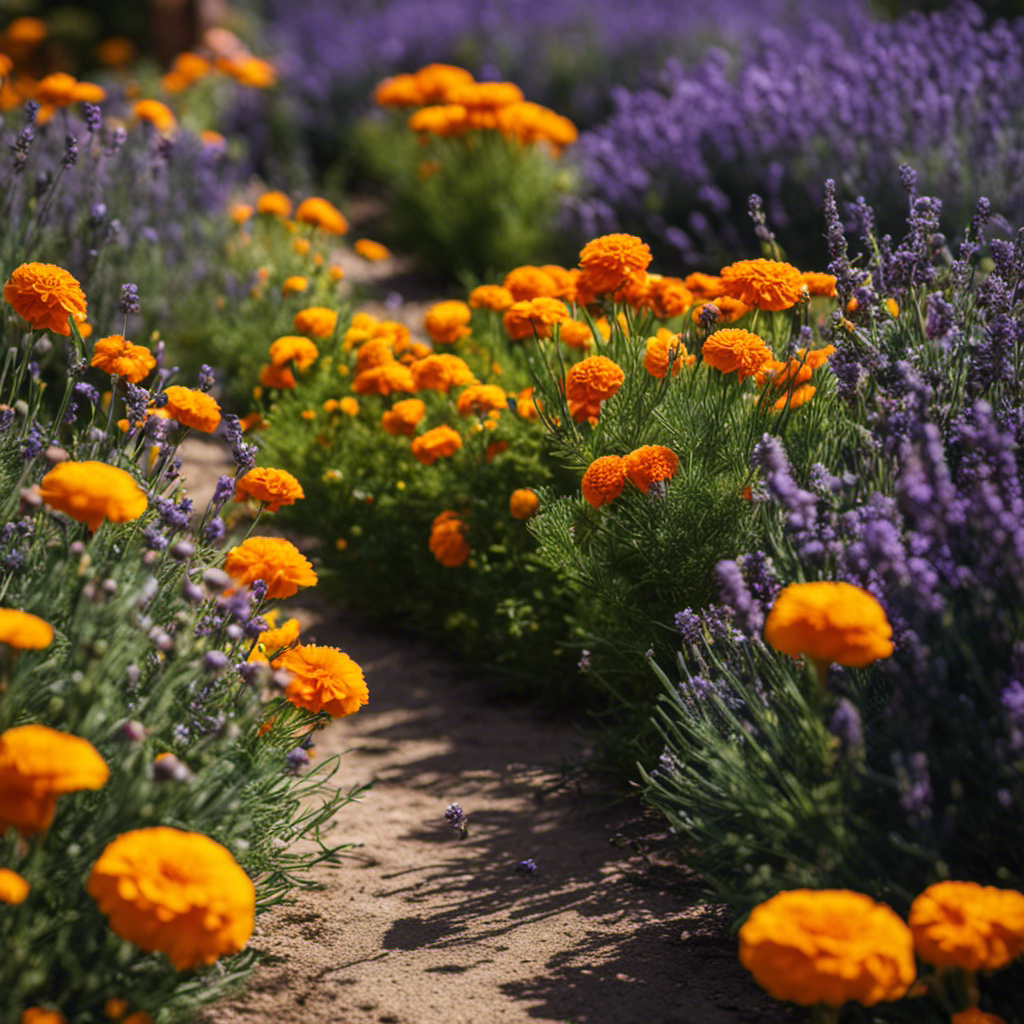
(215, 661)
(456, 818)
(527, 867)
(129, 299)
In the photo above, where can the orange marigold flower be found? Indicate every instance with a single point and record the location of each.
(403, 417)
(38, 764)
(491, 296)
(796, 398)
(253, 72)
(526, 405)
(57, 89)
(273, 640)
(529, 282)
(667, 297)
(322, 214)
(371, 250)
(523, 503)
(45, 295)
(273, 559)
(445, 120)
(819, 284)
(13, 888)
(24, 631)
(37, 1015)
(829, 622)
(534, 317)
(240, 212)
(656, 356)
(487, 95)
(293, 348)
(768, 284)
(447, 321)
(440, 372)
(158, 114)
(191, 66)
(481, 399)
(729, 309)
(736, 349)
(703, 286)
(438, 82)
(575, 334)
(25, 31)
(398, 91)
(280, 377)
(375, 352)
(611, 261)
(273, 487)
(436, 444)
(604, 480)
(317, 321)
(966, 925)
(275, 204)
(447, 542)
(294, 285)
(88, 92)
(828, 946)
(192, 408)
(589, 383)
(649, 465)
(179, 893)
(91, 492)
(975, 1016)
(384, 380)
(117, 51)
(349, 406)
(323, 679)
(116, 355)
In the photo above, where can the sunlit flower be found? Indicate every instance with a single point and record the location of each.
(529, 282)
(371, 250)
(45, 295)
(398, 91)
(667, 297)
(534, 317)
(280, 377)
(316, 321)
(294, 285)
(491, 296)
(440, 372)
(481, 399)
(323, 679)
(766, 284)
(24, 631)
(575, 334)
(293, 348)
(437, 83)
(349, 406)
(322, 214)
(611, 261)
(445, 120)
(384, 379)
(192, 408)
(589, 383)
(253, 72)
(650, 464)
(736, 349)
(523, 503)
(975, 1016)
(447, 542)
(273, 487)
(37, 1015)
(448, 321)
(403, 417)
(116, 355)
(729, 309)
(819, 284)
(240, 212)
(56, 88)
(604, 480)
(273, 559)
(158, 114)
(91, 492)
(656, 355)
(179, 893)
(275, 639)
(797, 397)
(13, 888)
(435, 444)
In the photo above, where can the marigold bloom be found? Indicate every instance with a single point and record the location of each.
(736, 349)
(534, 317)
(667, 297)
(349, 406)
(590, 382)
(445, 120)
(604, 480)
(24, 631)
(966, 925)
(293, 348)
(523, 503)
(190, 66)
(481, 399)
(438, 82)
(384, 379)
(371, 250)
(240, 212)
(819, 284)
(275, 639)
(273, 559)
(435, 444)
(828, 946)
(25, 31)
(398, 91)
(37, 1015)
(116, 355)
(649, 465)
(796, 397)
(294, 285)
(575, 334)
(447, 321)
(975, 1016)
(57, 89)
(192, 408)
(280, 377)
(158, 114)
(91, 492)
(491, 296)
(403, 417)
(253, 72)
(45, 295)
(13, 888)
(526, 405)
(768, 284)
(529, 282)
(656, 356)
(729, 309)
(175, 892)
(447, 542)
(530, 123)
(375, 352)
(38, 764)
(611, 261)
(829, 622)
(117, 51)
(322, 214)
(273, 487)
(88, 92)
(316, 321)
(323, 679)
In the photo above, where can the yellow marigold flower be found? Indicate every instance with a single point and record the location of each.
(650, 464)
(656, 355)
(240, 212)
(192, 408)
(403, 417)
(158, 114)
(447, 542)
(528, 282)
(437, 82)
(435, 444)
(273, 559)
(323, 679)
(371, 250)
(384, 380)
(116, 355)
(398, 91)
(975, 1016)
(349, 406)
(280, 377)
(829, 622)
(273, 640)
(575, 334)
(523, 503)
(37, 1015)
(604, 480)
(667, 297)
(56, 89)
(611, 261)
(179, 893)
(275, 204)
(482, 399)
(322, 214)
(13, 888)
(293, 348)
(91, 492)
(272, 487)
(491, 296)
(534, 317)
(966, 925)
(316, 321)
(589, 383)
(440, 372)
(768, 284)
(819, 284)
(796, 398)
(45, 295)
(38, 764)
(24, 631)
(446, 120)
(828, 946)
(448, 321)
(294, 285)
(736, 349)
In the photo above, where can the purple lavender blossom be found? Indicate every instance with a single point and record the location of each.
(456, 818)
